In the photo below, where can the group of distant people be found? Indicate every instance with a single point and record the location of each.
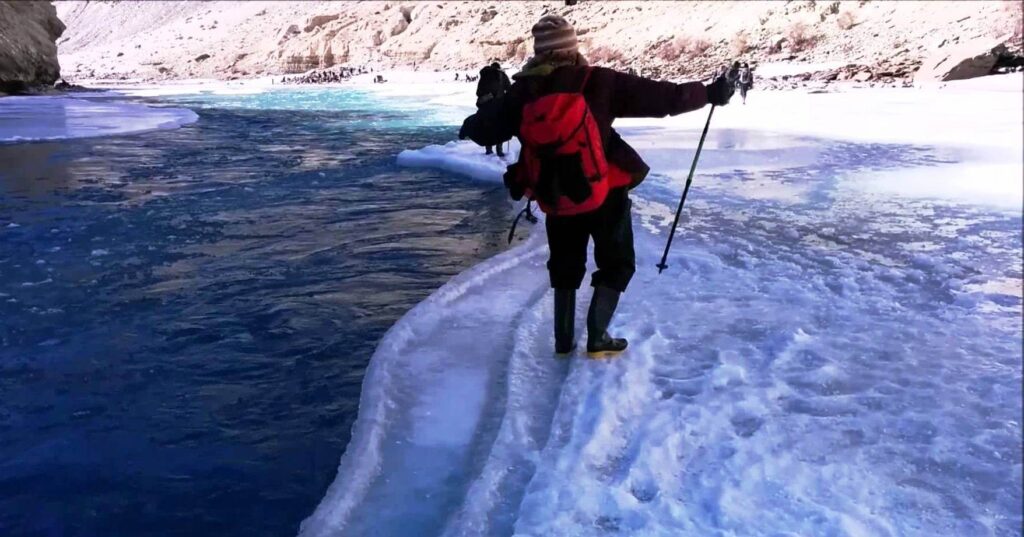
(326, 77)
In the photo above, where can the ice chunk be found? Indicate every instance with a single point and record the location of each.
(465, 158)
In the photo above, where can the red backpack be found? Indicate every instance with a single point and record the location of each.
(562, 163)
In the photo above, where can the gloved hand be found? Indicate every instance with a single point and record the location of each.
(512, 182)
(720, 91)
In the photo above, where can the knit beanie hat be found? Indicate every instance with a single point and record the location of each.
(552, 33)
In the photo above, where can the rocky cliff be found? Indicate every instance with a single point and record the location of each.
(28, 53)
(872, 40)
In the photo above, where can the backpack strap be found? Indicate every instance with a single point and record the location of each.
(586, 78)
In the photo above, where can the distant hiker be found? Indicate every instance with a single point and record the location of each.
(493, 84)
(456, 77)
(578, 169)
(733, 74)
(745, 81)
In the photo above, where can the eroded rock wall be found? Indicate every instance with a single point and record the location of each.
(28, 50)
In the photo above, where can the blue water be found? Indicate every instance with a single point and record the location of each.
(186, 315)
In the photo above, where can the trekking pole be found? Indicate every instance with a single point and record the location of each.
(662, 266)
(529, 218)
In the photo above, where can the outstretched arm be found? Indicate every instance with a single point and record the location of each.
(634, 96)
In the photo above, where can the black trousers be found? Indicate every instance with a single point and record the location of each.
(611, 227)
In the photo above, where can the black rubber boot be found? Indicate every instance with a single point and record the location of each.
(565, 320)
(602, 308)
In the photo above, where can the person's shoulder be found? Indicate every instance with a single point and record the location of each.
(598, 69)
(518, 88)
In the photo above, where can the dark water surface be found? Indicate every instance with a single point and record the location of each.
(186, 315)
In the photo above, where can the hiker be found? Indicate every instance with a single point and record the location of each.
(733, 74)
(493, 84)
(745, 81)
(578, 169)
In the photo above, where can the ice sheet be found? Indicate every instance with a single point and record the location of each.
(55, 118)
(834, 349)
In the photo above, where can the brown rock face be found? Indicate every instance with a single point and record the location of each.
(968, 60)
(28, 50)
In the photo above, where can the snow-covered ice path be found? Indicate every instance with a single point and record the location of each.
(833, 350)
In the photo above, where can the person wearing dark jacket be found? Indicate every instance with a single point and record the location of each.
(557, 66)
(492, 85)
(744, 81)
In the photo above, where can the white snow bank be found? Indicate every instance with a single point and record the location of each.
(745, 163)
(817, 360)
(978, 130)
(957, 115)
(56, 118)
(995, 184)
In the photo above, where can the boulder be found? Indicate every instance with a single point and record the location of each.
(776, 44)
(315, 22)
(28, 48)
(969, 59)
(862, 76)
